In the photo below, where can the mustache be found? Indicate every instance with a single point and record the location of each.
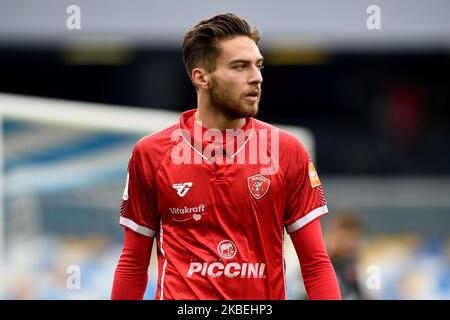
(253, 92)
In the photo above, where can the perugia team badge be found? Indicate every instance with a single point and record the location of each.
(258, 185)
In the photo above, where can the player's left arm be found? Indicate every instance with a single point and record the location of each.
(318, 273)
(305, 204)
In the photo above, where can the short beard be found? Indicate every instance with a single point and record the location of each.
(223, 101)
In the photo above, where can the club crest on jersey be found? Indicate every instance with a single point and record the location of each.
(258, 185)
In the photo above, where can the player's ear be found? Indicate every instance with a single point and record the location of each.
(201, 78)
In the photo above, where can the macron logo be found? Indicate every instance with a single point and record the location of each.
(182, 188)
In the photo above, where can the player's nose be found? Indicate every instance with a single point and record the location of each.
(255, 76)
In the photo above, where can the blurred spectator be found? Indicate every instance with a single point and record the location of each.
(405, 113)
(342, 238)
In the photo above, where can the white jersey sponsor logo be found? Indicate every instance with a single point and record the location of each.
(200, 208)
(227, 249)
(196, 212)
(182, 188)
(230, 270)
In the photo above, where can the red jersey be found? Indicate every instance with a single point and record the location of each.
(218, 206)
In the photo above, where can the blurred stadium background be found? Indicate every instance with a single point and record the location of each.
(373, 107)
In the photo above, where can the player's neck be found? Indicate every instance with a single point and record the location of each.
(212, 119)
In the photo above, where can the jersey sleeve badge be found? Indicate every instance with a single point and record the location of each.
(313, 176)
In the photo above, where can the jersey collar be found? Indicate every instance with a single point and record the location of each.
(194, 135)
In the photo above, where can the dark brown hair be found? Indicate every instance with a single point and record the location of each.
(347, 220)
(200, 45)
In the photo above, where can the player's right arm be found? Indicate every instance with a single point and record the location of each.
(139, 217)
(130, 278)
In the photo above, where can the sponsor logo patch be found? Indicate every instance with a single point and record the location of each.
(313, 176)
(227, 249)
(187, 213)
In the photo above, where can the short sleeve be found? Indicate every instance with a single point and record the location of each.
(304, 193)
(138, 210)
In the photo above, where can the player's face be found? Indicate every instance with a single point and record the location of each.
(235, 87)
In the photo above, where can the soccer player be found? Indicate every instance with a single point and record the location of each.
(217, 189)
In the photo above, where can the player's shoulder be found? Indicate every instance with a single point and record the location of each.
(288, 142)
(157, 141)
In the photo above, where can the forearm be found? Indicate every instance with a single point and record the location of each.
(320, 279)
(130, 278)
(318, 273)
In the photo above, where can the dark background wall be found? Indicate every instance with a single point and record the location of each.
(377, 112)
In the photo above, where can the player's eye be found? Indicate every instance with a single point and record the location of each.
(260, 67)
(239, 67)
